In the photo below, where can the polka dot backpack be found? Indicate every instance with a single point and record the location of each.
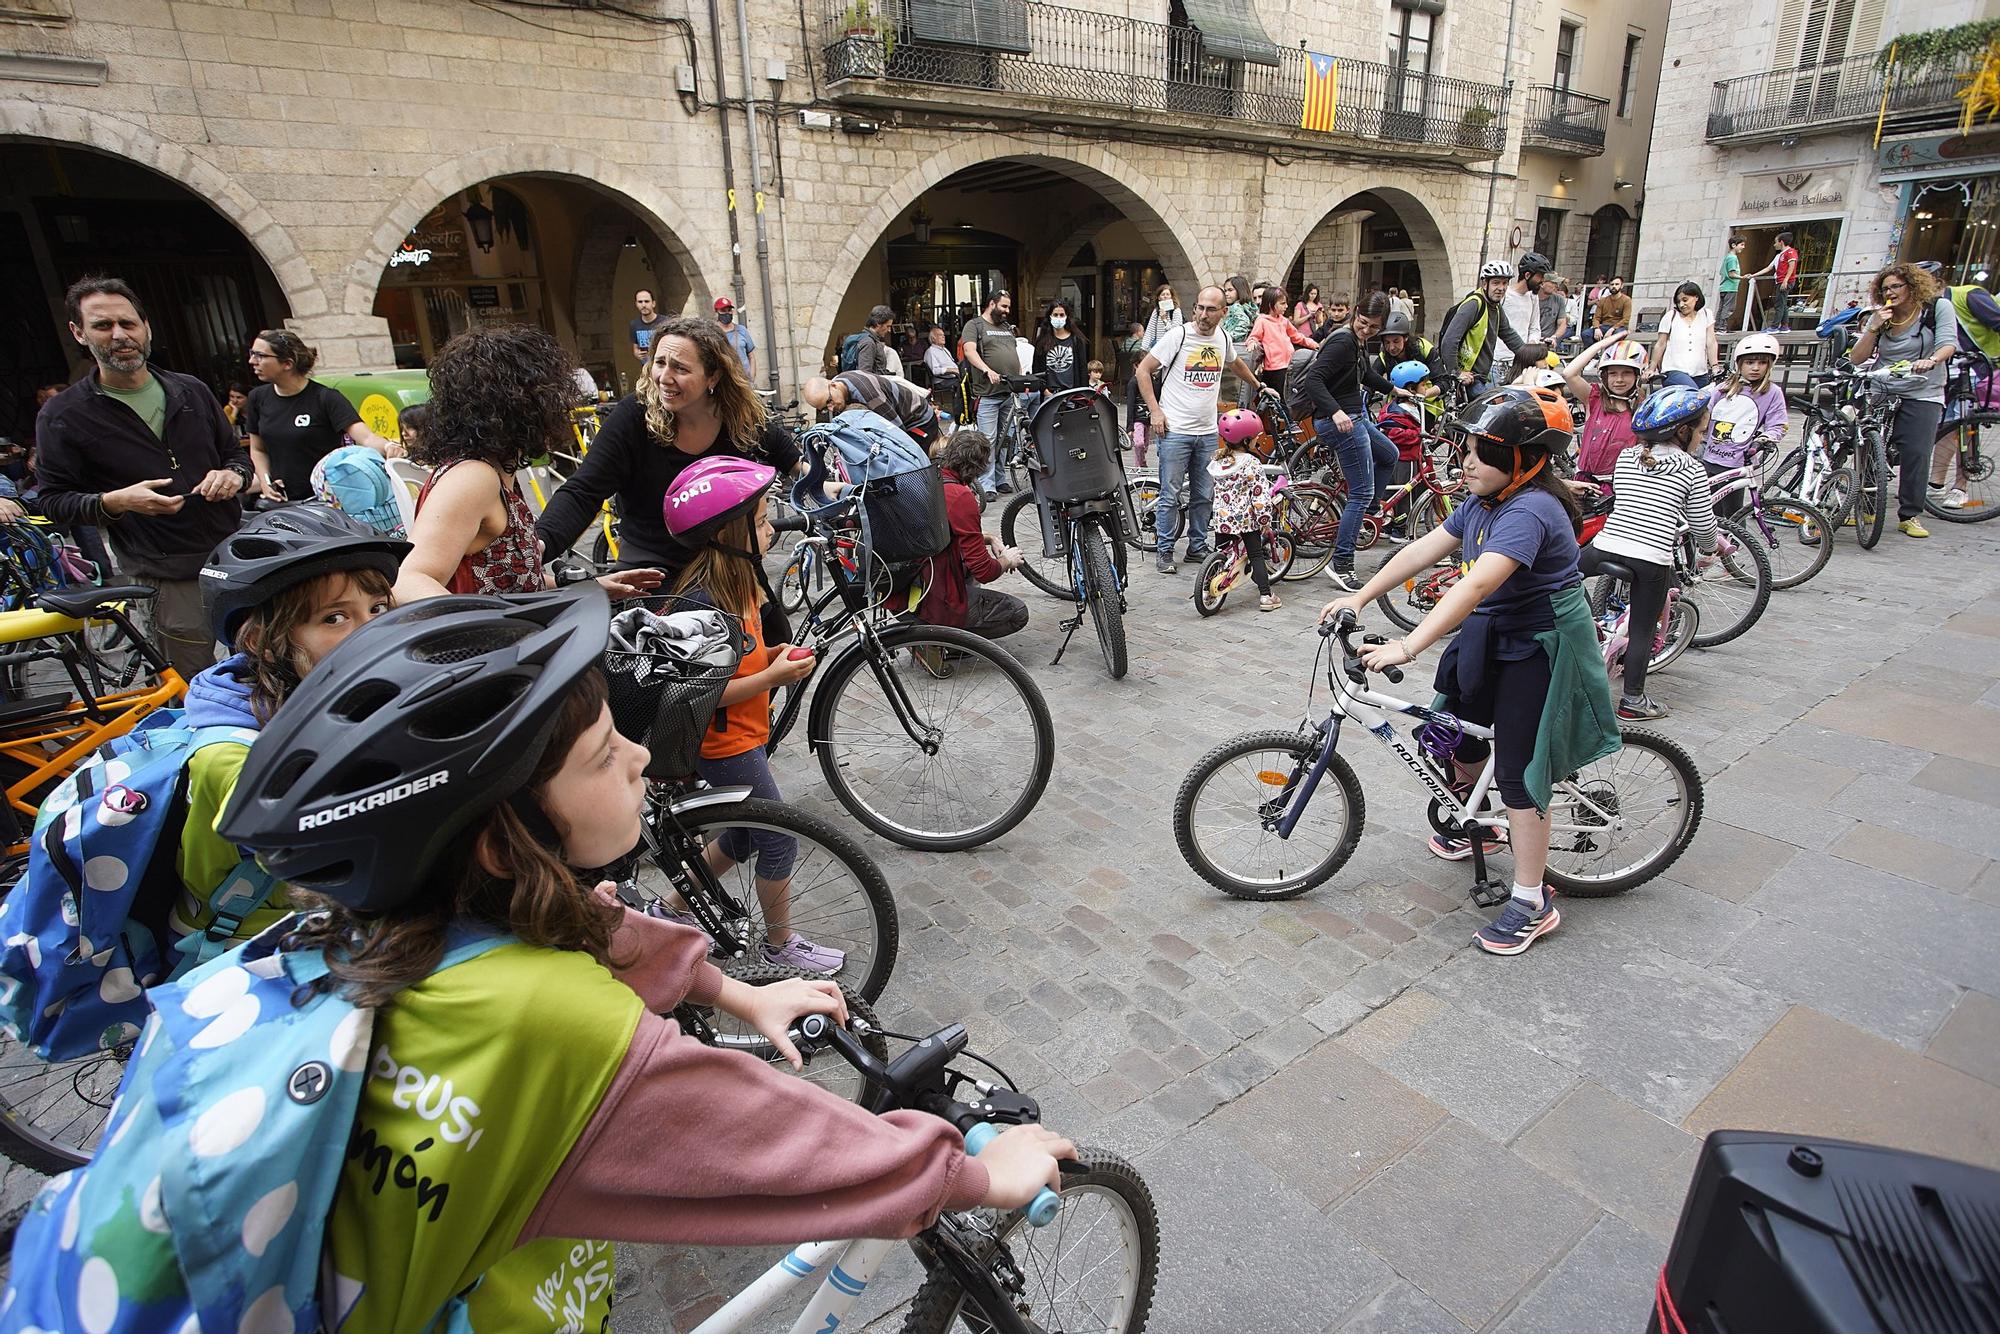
(206, 1206)
(85, 931)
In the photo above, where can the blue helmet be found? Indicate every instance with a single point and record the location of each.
(1409, 374)
(1667, 410)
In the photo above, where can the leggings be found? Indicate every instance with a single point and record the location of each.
(775, 852)
(1510, 702)
(1260, 571)
(1649, 599)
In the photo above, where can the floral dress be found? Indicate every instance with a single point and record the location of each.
(511, 562)
(1242, 494)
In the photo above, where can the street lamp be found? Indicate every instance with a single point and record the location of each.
(920, 226)
(480, 219)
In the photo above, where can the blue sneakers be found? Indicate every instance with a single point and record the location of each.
(1516, 928)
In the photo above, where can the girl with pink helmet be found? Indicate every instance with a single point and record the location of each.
(1242, 495)
(715, 510)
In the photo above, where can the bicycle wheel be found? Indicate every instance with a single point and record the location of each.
(1208, 595)
(835, 894)
(1871, 490)
(1624, 819)
(1733, 591)
(1227, 809)
(1102, 592)
(1021, 526)
(986, 748)
(1973, 441)
(1609, 597)
(1094, 1268)
(52, 1112)
(826, 1068)
(793, 593)
(1795, 535)
(1414, 600)
(1310, 516)
(1683, 625)
(1146, 506)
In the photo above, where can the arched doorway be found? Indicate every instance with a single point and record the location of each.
(1068, 222)
(1606, 253)
(66, 212)
(1376, 240)
(549, 250)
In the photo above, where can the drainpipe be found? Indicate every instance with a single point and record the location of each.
(728, 158)
(1507, 95)
(757, 195)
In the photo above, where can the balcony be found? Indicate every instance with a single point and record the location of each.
(1816, 99)
(1046, 62)
(1560, 121)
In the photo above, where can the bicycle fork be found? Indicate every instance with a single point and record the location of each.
(1298, 792)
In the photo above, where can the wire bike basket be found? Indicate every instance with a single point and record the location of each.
(665, 669)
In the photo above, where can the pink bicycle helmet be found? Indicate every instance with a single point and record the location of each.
(709, 493)
(1239, 426)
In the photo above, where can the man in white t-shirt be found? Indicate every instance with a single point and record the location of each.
(1523, 307)
(1194, 354)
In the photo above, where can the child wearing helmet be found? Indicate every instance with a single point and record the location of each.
(715, 509)
(1657, 488)
(1747, 411)
(593, 1118)
(1405, 421)
(280, 593)
(1608, 404)
(1242, 495)
(1525, 660)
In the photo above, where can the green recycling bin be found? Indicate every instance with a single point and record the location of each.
(381, 396)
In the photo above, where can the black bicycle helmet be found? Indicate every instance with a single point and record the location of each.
(1532, 262)
(283, 548)
(416, 725)
(1530, 423)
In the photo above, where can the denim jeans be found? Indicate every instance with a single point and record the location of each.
(1184, 457)
(987, 419)
(1367, 460)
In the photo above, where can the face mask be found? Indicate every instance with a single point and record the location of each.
(1058, 321)
(1166, 303)
(727, 317)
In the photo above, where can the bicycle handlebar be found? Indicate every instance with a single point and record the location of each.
(795, 524)
(1343, 626)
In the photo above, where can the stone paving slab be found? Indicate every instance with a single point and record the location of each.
(1970, 1038)
(1625, 1158)
(1605, 1283)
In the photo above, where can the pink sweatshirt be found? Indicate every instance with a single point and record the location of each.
(694, 1145)
(1278, 338)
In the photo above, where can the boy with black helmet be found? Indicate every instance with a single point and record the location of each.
(1525, 660)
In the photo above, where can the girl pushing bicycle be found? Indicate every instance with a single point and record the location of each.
(1243, 496)
(1526, 660)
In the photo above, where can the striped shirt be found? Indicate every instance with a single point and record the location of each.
(1653, 503)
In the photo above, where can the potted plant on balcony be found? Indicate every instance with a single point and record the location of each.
(866, 40)
(1472, 126)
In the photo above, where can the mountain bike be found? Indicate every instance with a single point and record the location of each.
(1795, 536)
(1084, 1259)
(1271, 815)
(929, 735)
(1820, 469)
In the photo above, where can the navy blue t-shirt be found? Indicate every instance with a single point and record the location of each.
(1533, 528)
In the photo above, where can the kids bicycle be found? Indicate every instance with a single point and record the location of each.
(1271, 815)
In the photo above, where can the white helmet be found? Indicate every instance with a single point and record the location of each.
(1498, 268)
(1756, 345)
(1546, 378)
(1625, 352)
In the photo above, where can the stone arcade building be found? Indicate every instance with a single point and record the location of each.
(381, 173)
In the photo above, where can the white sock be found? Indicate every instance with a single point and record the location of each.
(1529, 897)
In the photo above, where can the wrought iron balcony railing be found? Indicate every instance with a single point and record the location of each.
(1561, 121)
(1009, 53)
(1808, 98)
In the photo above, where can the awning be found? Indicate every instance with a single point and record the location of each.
(1230, 31)
(990, 25)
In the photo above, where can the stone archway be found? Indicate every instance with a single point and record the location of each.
(1419, 216)
(1122, 185)
(22, 120)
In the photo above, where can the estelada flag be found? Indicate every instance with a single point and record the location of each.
(1322, 85)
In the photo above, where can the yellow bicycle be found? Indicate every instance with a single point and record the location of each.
(551, 470)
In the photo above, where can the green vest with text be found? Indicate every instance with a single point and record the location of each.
(1983, 335)
(1475, 337)
(481, 1079)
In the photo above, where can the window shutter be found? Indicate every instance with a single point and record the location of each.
(1867, 26)
(1791, 20)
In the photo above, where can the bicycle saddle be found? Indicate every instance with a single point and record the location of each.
(79, 603)
(1614, 569)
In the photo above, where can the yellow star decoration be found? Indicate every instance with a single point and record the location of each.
(1981, 90)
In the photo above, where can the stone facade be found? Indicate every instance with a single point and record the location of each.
(325, 129)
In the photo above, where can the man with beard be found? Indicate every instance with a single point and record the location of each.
(147, 455)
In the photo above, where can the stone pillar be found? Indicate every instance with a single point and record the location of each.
(347, 342)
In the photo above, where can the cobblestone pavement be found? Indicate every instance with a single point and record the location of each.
(1350, 1118)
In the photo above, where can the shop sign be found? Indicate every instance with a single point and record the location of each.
(1938, 149)
(410, 256)
(483, 298)
(1808, 189)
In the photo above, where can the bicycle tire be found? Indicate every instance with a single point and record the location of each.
(1795, 525)
(1683, 623)
(1983, 503)
(1101, 591)
(718, 1028)
(1207, 601)
(1025, 701)
(792, 592)
(1686, 820)
(1278, 556)
(1871, 490)
(940, 1301)
(1418, 596)
(1298, 749)
(1311, 518)
(1755, 573)
(858, 915)
(42, 1127)
(1048, 573)
(1145, 493)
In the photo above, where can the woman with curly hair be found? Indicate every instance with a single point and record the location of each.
(499, 397)
(693, 400)
(1914, 323)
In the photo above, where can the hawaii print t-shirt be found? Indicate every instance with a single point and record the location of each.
(1193, 365)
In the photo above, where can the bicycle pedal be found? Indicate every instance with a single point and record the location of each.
(1491, 893)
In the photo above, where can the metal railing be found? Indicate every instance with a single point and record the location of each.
(1076, 57)
(1834, 94)
(1562, 121)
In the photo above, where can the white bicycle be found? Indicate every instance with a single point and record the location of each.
(1086, 1259)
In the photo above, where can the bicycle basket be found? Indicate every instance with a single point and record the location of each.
(665, 669)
